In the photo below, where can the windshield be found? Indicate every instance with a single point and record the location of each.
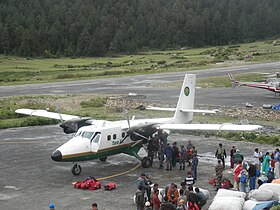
(85, 134)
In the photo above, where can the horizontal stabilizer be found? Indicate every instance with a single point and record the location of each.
(214, 111)
(45, 113)
(210, 127)
(160, 109)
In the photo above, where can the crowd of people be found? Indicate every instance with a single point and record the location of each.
(149, 196)
(170, 157)
(247, 175)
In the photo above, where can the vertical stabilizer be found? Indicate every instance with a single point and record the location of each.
(186, 100)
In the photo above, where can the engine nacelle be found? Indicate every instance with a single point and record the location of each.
(72, 126)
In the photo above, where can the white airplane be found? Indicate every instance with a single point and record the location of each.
(101, 138)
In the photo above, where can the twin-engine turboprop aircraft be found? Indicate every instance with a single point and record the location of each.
(100, 138)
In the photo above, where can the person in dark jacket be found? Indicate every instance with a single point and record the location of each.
(168, 151)
(166, 205)
(221, 154)
(139, 198)
(238, 156)
(192, 198)
(232, 152)
(252, 173)
(194, 166)
(175, 154)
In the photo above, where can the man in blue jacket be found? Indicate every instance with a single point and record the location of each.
(168, 151)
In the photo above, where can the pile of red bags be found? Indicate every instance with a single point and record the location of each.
(91, 183)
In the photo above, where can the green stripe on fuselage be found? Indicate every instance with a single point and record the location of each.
(127, 149)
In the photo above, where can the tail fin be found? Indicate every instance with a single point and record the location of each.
(186, 100)
(233, 81)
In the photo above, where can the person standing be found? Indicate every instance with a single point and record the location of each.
(156, 201)
(219, 174)
(151, 151)
(139, 198)
(182, 158)
(257, 157)
(168, 151)
(161, 154)
(221, 154)
(265, 163)
(237, 156)
(252, 173)
(231, 152)
(243, 180)
(189, 152)
(236, 173)
(194, 166)
(175, 154)
(277, 164)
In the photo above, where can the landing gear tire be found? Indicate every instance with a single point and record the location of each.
(146, 162)
(76, 169)
(103, 159)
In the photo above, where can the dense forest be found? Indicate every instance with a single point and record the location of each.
(99, 27)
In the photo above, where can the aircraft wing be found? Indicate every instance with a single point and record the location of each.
(47, 114)
(209, 127)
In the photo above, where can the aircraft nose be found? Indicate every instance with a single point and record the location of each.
(56, 155)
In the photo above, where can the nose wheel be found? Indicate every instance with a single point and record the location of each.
(76, 169)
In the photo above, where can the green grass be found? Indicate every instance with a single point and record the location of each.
(16, 70)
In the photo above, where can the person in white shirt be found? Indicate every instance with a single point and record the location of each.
(257, 157)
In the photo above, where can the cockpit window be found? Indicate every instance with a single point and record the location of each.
(96, 139)
(87, 134)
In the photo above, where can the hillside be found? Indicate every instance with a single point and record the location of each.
(51, 28)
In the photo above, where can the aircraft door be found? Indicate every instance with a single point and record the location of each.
(95, 142)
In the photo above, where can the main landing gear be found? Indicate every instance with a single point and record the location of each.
(146, 162)
(76, 169)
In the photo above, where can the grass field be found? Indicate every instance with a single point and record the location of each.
(16, 70)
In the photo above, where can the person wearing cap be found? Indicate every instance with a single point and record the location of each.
(94, 206)
(148, 206)
(51, 206)
(221, 154)
(219, 174)
(237, 156)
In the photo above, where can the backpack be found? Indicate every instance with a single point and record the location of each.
(243, 178)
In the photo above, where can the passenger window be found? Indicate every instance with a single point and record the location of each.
(123, 134)
(114, 136)
(109, 137)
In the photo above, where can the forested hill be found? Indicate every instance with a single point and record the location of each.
(98, 27)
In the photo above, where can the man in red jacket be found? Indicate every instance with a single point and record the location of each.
(156, 201)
